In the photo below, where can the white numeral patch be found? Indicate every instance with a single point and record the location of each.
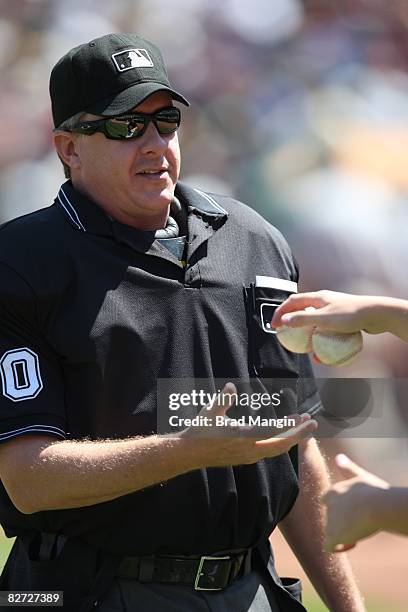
(20, 374)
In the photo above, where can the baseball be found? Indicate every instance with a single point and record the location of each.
(335, 349)
(330, 347)
(296, 339)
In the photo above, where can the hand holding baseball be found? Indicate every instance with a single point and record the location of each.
(329, 323)
(344, 313)
(331, 310)
(328, 346)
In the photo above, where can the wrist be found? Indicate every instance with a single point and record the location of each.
(377, 315)
(381, 508)
(191, 450)
(386, 314)
(397, 314)
(393, 508)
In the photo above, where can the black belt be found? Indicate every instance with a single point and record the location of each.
(206, 573)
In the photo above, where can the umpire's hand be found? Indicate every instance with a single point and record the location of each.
(230, 444)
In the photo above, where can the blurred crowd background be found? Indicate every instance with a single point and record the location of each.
(299, 108)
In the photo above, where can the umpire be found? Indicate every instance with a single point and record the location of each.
(132, 283)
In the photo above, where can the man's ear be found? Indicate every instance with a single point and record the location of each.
(66, 146)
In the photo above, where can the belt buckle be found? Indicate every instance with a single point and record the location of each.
(200, 573)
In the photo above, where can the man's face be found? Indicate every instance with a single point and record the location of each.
(111, 172)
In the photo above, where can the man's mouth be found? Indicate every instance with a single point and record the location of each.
(153, 172)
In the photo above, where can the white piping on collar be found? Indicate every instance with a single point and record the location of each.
(76, 220)
(211, 200)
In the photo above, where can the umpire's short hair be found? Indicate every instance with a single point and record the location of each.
(67, 126)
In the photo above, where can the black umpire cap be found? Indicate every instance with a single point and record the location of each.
(108, 76)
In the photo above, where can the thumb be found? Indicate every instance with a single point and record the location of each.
(347, 467)
(224, 400)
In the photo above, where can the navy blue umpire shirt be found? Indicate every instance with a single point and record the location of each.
(93, 312)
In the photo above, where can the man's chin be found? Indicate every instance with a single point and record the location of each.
(156, 199)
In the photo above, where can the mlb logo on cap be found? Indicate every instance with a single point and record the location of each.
(132, 58)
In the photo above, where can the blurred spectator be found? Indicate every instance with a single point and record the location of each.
(300, 108)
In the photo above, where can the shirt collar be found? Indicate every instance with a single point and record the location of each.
(86, 216)
(200, 202)
(82, 212)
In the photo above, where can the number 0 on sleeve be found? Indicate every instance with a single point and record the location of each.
(20, 374)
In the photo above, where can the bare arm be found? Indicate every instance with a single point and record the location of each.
(362, 505)
(41, 474)
(304, 528)
(345, 313)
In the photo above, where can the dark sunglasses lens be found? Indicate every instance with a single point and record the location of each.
(125, 128)
(167, 121)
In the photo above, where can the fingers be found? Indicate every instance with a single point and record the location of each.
(347, 467)
(302, 318)
(270, 433)
(295, 302)
(302, 431)
(304, 428)
(225, 399)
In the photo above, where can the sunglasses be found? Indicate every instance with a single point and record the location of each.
(132, 125)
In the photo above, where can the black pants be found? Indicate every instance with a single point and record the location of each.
(252, 593)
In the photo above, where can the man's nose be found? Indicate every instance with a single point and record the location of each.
(152, 141)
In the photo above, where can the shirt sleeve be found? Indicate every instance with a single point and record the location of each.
(32, 397)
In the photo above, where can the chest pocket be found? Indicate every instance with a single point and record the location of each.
(267, 357)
